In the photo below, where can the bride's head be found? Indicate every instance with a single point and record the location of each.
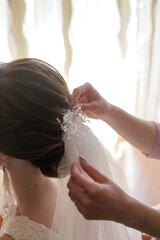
(32, 96)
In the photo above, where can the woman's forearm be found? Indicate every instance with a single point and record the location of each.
(140, 133)
(102, 199)
(142, 218)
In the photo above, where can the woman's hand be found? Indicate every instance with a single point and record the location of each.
(100, 199)
(91, 102)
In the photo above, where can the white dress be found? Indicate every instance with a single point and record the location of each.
(22, 228)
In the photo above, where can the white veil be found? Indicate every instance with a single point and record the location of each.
(68, 222)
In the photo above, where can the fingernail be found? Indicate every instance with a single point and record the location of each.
(82, 159)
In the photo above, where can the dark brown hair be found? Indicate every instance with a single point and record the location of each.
(32, 96)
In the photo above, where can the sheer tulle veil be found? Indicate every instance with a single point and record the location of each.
(68, 222)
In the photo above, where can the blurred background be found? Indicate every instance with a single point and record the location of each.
(114, 45)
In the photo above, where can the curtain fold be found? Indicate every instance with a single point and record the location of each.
(67, 15)
(43, 28)
(5, 21)
(125, 12)
(17, 42)
(148, 64)
(153, 110)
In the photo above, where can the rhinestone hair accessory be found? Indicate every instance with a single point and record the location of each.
(74, 122)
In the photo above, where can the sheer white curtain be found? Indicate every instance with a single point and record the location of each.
(148, 64)
(112, 44)
(5, 54)
(154, 104)
(32, 29)
(43, 28)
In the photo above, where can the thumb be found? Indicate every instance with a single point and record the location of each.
(86, 107)
(78, 95)
(92, 172)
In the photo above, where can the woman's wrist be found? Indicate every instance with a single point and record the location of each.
(135, 214)
(111, 113)
(141, 217)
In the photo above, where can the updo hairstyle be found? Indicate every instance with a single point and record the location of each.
(32, 96)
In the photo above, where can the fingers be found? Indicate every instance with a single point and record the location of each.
(75, 193)
(75, 96)
(92, 172)
(80, 192)
(87, 107)
(77, 185)
(87, 214)
(78, 181)
(80, 94)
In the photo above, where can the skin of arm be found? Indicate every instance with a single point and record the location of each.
(102, 199)
(140, 133)
(5, 237)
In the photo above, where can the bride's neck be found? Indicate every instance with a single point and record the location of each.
(29, 184)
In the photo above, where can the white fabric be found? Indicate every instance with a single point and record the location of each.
(68, 222)
(21, 227)
(8, 200)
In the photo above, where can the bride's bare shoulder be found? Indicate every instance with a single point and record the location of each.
(6, 237)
